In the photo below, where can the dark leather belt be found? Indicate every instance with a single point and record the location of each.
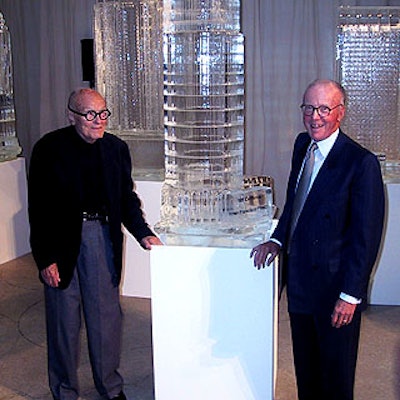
(86, 216)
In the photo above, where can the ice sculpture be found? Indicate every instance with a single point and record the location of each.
(128, 43)
(9, 145)
(204, 200)
(369, 69)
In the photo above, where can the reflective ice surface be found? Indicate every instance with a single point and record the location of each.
(9, 144)
(369, 69)
(128, 41)
(204, 199)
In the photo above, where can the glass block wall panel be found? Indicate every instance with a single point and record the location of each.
(368, 55)
(129, 63)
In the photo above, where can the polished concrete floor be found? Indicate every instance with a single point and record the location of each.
(23, 346)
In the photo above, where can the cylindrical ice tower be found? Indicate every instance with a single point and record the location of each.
(203, 194)
(9, 145)
(128, 42)
(203, 95)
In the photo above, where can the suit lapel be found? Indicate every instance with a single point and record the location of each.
(108, 168)
(298, 158)
(327, 176)
(112, 168)
(71, 165)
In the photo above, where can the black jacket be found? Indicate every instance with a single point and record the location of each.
(55, 203)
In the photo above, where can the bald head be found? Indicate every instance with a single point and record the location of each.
(329, 84)
(81, 102)
(79, 97)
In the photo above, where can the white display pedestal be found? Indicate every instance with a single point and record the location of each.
(385, 281)
(214, 323)
(136, 264)
(14, 224)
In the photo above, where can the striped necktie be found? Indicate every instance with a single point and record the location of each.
(303, 186)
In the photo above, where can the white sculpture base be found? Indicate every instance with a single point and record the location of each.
(14, 225)
(385, 281)
(214, 322)
(136, 274)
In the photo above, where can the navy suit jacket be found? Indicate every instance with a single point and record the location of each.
(337, 237)
(55, 206)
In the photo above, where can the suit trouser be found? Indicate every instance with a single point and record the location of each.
(93, 291)
(325, 357)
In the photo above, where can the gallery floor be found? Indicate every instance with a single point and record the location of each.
(23, 346)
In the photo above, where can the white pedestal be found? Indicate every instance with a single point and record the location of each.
(385, 281)
(14, 224)
(214, 322)
(136, 264)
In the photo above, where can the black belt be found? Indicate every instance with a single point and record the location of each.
(86, 216)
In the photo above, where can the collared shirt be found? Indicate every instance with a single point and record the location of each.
(324, 147)
(320, 154)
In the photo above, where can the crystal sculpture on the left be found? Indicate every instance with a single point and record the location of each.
(128, 41)
(9, 144)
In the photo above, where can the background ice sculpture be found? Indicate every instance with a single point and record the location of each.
(9, 145)
(369, 69)
(204, 201)
(128, 43)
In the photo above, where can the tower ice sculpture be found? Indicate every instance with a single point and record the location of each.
(128, 43)
(204, 201)
(9, 145)
(368, 55)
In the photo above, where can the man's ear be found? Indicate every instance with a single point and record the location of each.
(71, 117)
(341, 113)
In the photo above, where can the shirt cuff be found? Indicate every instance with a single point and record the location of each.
(275, 241)
(349, 299)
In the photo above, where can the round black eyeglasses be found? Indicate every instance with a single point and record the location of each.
(91, 114)
(323, 111)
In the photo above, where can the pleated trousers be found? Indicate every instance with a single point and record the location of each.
(94, 295)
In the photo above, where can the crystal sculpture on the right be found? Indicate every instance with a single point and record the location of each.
(368, 55)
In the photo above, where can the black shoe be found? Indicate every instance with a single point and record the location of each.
(120, 396)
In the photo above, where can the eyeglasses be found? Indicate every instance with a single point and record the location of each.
(91, 114)
(323, 111)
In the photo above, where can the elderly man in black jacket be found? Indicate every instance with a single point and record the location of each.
(80, 191)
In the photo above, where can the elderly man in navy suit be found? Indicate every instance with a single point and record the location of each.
(80, 192)
(328, 236)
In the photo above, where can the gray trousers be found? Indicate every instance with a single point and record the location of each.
(93, 292)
